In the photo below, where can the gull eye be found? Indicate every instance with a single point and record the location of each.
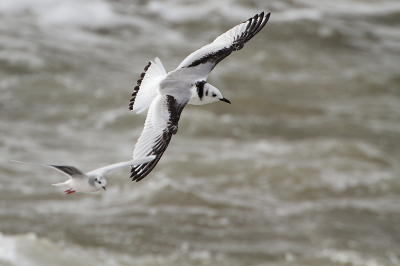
(213, 95)
(99, 182)
(95, 179)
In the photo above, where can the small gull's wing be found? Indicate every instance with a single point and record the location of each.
(161, 123)
(65, 169)
(207, 57)
(146, 89)
(103, 170)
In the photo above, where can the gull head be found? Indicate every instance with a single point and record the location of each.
(100, 182)
(206, 93)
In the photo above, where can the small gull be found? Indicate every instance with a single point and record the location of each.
(92, 181)
(166, 94)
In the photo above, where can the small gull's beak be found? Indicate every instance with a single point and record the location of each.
(104, 188)
(225, 100)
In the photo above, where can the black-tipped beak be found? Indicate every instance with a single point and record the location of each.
(104, 188)
(225, 100)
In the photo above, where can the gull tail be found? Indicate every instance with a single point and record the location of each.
(149, 82)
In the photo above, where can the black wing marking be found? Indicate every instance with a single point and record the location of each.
(254, 25)
(137, 88)
(200, 89)
(162, 141)
(69, 170)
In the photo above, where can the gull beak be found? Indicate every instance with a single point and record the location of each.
(225, 100)
(104, 188)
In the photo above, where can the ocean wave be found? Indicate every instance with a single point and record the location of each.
(31, 250)
(87, 14)
(251, 174)
(354, 7)
(283, 11)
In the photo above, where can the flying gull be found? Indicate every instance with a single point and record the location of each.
(92, 181)
(166, 94)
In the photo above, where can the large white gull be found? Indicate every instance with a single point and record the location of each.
(166, 94)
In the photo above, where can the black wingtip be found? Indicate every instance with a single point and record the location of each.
(141, 171)
(254, 25)
(137, 88)
(261, 23)
(266, 18)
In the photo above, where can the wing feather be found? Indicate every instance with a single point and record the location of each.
(148, 84)
(161, 123)
(65, 169)
(69, 170)
(207, 57)
(105, 169)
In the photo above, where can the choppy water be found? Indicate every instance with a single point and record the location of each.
(302, 169)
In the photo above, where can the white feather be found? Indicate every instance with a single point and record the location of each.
(150, 85)
(171, 92)
(223, 41)
(156, 121)
(103, 170)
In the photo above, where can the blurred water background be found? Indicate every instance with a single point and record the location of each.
(302, 169)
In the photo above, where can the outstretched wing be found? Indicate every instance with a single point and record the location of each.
(68, 170)
(161, 123)
(146, 90)
(103, 170)
(65, 169)
(207, 57)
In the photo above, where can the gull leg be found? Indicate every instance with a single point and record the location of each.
(69, 191)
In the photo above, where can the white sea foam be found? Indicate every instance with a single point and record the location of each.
(180, 11)
(349, 258)
(183, 13)
(68, 13)
(31, 250)
(354, 7)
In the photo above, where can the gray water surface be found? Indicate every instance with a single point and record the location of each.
(303, 168)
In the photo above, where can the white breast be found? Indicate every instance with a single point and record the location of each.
(195, 100)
